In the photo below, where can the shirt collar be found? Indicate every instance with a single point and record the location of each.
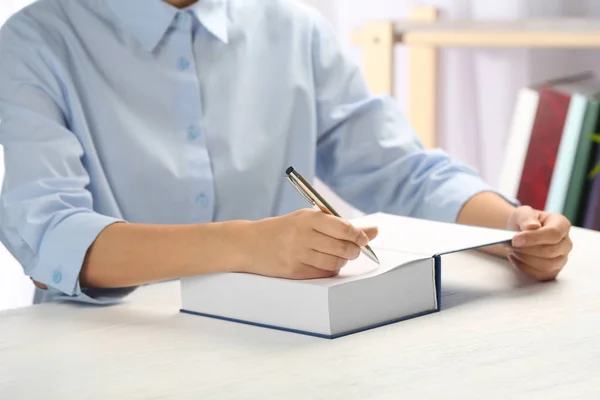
(213, 15)
(149, 20)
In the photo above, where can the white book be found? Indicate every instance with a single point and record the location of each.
(363, 296)
(518, 141)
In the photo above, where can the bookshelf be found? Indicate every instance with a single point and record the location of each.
(423, 34)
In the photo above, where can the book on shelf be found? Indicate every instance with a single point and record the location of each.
(550, 151)
(574, 204)
(590, 218)
(365, 295)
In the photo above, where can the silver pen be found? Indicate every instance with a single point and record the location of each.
(314, 198)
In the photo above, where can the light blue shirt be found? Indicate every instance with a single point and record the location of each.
(132, 110)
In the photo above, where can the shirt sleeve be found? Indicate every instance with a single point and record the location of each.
(47, 221)
(368, 153)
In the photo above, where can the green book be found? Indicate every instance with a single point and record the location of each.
(582, 161)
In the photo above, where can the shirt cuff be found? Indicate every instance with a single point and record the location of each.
(62, 254)
(91, 296)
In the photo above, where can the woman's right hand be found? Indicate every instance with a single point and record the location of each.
(305, 244)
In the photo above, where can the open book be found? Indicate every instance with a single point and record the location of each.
(364, 295)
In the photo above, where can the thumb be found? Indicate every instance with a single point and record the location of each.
(370, 231)
(526, 219)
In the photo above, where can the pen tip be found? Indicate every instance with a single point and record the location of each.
(289, 170)
(374, 258)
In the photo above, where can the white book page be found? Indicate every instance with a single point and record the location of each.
(363, 267)
(417, 236)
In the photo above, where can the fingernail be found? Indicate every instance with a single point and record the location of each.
(519, 241)
(533, 223)
(363, 239)
(515, 256)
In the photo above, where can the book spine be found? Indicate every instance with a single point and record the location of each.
(518, 141)
(543, 148)
(591, 218)
(581, 165)
(559, 184)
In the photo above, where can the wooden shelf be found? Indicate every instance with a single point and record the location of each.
(568, 32)
(574, 25)
(423, 34)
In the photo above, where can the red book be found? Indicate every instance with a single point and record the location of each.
(543, 147)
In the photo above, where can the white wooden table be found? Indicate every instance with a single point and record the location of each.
(498, 336)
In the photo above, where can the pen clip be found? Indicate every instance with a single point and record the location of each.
(299, 189)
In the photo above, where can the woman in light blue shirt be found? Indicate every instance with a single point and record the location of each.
(146, 140)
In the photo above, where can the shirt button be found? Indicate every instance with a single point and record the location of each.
(202, 200)
(57, 277)
(183, 64)
(193, 133)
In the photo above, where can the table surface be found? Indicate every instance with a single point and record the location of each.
(499, 335)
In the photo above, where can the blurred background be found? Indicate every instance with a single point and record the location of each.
(477, 87)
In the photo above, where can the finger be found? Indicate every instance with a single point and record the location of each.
(541, 276)
(323, 261)
(335, 247)
(526, 218)
(539, 263)
(555, 229)
(339, 228)
(564, 247)
(309, 272)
